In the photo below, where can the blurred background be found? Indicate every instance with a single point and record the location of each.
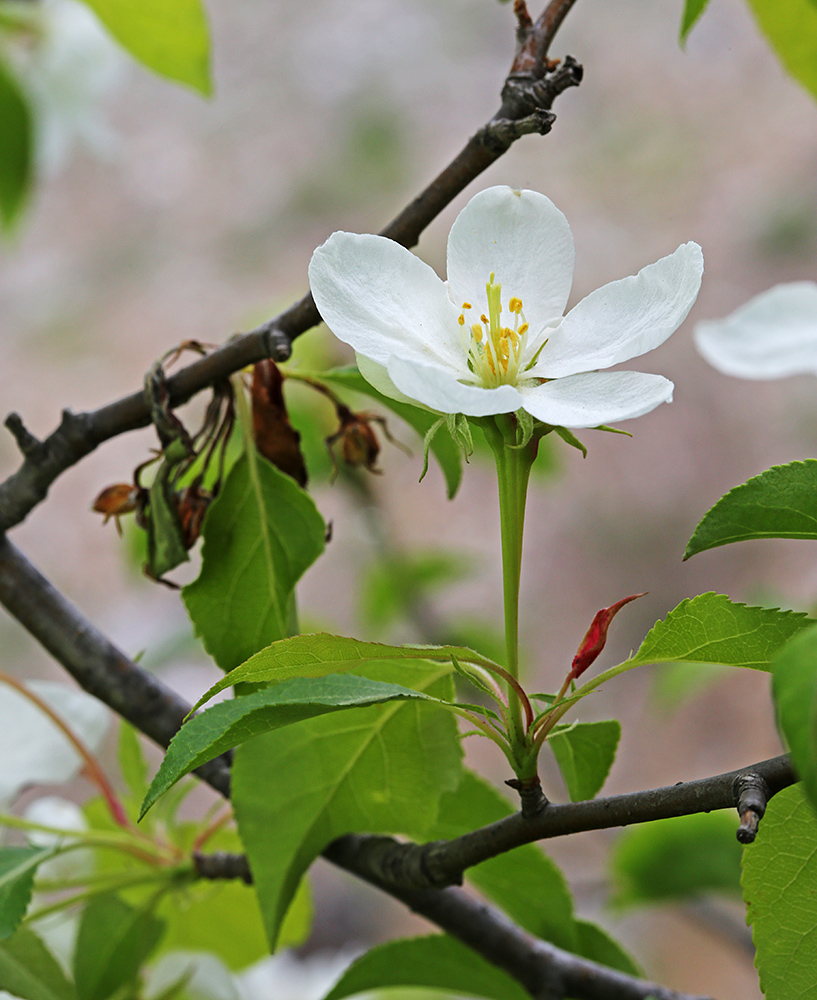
(192, 219)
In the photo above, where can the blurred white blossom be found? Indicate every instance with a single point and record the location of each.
(773, 335)
(68, 66)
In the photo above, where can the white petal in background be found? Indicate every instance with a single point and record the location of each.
(771, 336)
(32, 748)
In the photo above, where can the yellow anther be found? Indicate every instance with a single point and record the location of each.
(522, 329)
(466, 305)
(461, 320)
(515, 305)
(476, 331)
(490, 358)
(484, 319)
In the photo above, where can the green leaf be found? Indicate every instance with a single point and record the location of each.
(113, 941)
(16, 158)
(710, 628)
(678, 683)
(322, 654)
(378, 770)
(132, 764)
(260, 536)
(29, 970)
(790, 27)
(165, 539)
(779, 503)
(443, 447)
(436, 962)
(794, 689)
(18, 865)
(676, 859)
(168, 36)
(585, 753)
(597, 945)
(779, 887)
(231, 723)
(692, 11)
(545, 907)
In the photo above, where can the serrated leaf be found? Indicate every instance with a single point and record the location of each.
(692, 11)
(16, 158)
(794, 689)
(437, 962)
(585, 753)
(710, 628)
(170, 37)
(381, 769)
(18, 865)
(779, 503)
(676, 858)
(443, 447)
(261, 534)
(231, 723)
(29, 970)
(790, 27)
(545, 906)
(780, 890)
(322, 654)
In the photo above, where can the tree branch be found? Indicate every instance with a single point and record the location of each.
(526, 101)
(546, 972)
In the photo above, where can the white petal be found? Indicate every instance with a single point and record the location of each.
(771, 336)
(382, 300)
(595, 398)
(524, 240)
(378, 376)
(626, 318)
(438, 389)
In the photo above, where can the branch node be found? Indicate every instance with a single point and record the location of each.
(531, 797)
(751, 793)
(277, 344)
(222, 865)
(29, 445)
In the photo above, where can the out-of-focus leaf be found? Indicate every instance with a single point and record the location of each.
(585, 753)
(597, 945)
(442, 447)
(779, 876)
(168, 36)
(676, 859)
(381, 769)
(29, 970)
(544, 906)
(231, 723)
(261, 534)
(393, 587)
(437, 962)
(113, 941)
(132, 762)
(692, 11)
(18, 865)
(794, 688)
(790, 27)
(16, 152)
(676, 683)
(779, 503)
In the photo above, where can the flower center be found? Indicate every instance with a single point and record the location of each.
(494, 351)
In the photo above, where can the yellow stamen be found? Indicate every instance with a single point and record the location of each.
(461, 320)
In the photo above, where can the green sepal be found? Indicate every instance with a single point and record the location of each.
(570, 438)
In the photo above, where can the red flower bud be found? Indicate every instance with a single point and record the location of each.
(593, 642)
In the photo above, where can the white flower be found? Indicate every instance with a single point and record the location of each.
(771, 336)
(493, 338)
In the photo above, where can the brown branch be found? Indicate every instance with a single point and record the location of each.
(545, 971)
(526, 102)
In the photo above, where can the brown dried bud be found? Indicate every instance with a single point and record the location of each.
(116, 500)
(192, 504)
(275, 437)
